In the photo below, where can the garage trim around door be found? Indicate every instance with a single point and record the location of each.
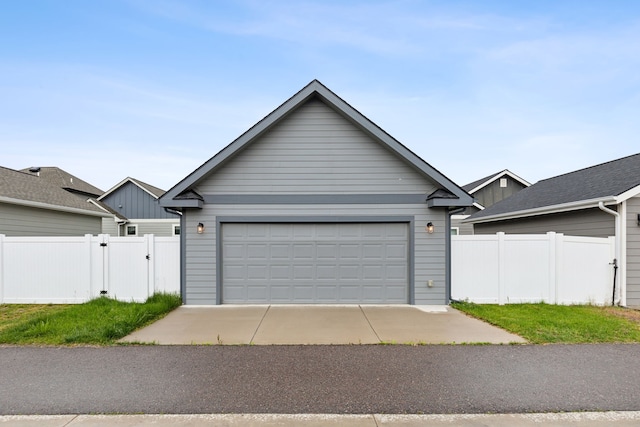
(220, 220)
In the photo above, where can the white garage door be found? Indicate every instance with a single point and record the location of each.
(315, 263)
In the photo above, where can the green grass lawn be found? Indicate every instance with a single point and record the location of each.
(101, 321)
(545, 323)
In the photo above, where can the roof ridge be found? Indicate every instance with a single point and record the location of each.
(590, 167)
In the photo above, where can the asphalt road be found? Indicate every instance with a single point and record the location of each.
(319, 379)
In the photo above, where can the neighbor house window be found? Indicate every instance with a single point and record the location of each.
(132, 230)
(503, 182)
(176, 230)
(455, 231)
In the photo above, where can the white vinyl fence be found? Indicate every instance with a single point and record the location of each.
(63, 270)
(551, 268)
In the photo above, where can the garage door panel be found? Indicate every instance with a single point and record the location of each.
(257, 272)
(280, 252)
(326, 272)
(396, 252)
(303, 272)
(315, 263)
(373, 251)
(349, 272)
(325, 251)
(303, 251)
(395, 272)
(257, 251)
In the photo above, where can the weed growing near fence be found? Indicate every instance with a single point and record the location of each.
(569, 324)
(100, 321)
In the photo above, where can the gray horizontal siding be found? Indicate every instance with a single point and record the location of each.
(633, 252)
(27, 221)
(109, 226)
(429, 248)
(316, 151)
(588, 223)
(161, 229)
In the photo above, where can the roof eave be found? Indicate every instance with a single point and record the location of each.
(545, 210)
(41, 205)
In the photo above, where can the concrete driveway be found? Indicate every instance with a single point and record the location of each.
(319, 324)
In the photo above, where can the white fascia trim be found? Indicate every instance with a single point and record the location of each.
(500, 175)
(545, 210)
(628, 194)
(99, 206)
(478, 205)
(460, 216)
(48, 206)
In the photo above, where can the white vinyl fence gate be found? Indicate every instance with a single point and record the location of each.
(514, 268)
(63, 270)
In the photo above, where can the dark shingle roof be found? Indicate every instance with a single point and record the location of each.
(150, 188)
(596, 182)
(64, 179)
(26, 187)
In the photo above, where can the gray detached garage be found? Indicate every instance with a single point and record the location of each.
(315, 204)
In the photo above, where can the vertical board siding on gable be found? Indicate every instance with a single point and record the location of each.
(633, 252)
(429, 248)
(493, 193)
(27, 221)
(133, 202)
(316, 151)
(587, 223)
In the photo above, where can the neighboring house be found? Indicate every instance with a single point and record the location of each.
(599, 201)
(30, 206)
(315, 204)
(65, 180)
(137, 212)
(486, 192)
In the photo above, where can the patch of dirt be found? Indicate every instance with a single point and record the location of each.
(626, 313)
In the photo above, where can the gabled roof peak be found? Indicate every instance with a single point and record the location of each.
(152, 190)
(314, 89)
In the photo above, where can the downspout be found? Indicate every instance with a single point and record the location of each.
(618, 249)
(448, 252)
(120, 224)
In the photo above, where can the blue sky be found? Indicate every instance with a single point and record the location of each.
(153, 88)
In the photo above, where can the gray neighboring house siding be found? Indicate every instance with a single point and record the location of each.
(31, 206)
(137, 204)
(633, 251)
(487, 192)
(311, 165)
(589, 223)
(16, 220)
(493, 193)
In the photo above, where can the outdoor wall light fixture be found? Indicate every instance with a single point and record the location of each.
(429, 228)
(200, 228)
